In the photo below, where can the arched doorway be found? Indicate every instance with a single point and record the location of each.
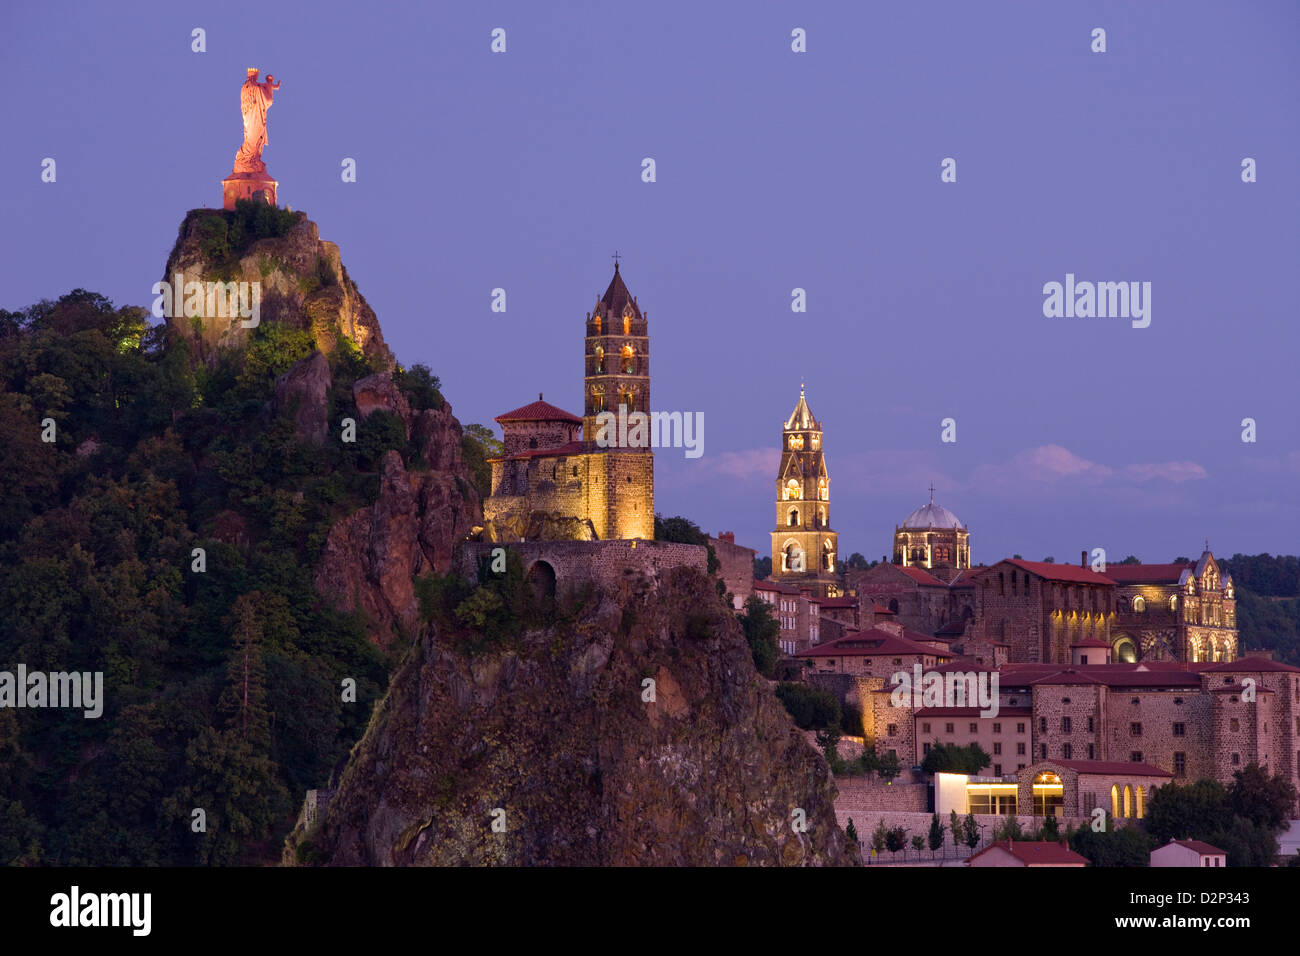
(1124, 650)
(541, 579)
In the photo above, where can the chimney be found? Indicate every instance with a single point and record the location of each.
(1083, 559)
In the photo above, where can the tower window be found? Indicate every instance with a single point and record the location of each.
(600, 360)
(794, 517)
(629, 360)
(627, 324)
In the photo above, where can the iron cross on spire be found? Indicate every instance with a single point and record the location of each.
(616, 257)
(932, 492)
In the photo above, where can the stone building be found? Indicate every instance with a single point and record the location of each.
(1041, 608)
(1182, 611)
(1155, 721)
(804, 547)
(932, 537)
(555, 481)
(735, 567)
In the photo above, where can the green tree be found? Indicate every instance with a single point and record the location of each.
(851, 832)
(896, 839)
(1261, 799)
(879, 837)
(971, 831)
(936, 834)
(918, 843)
(478, 444)
(762, 632)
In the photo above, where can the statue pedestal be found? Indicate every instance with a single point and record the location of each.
(259, 187)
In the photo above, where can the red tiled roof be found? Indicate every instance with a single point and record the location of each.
(538, 411)
(1036, 852)
(1060, 572)
(1247, 664)
(1147, 573)
(1199, 846)
(875, 643)
(1113, 767)
(920, 576)
(974, 712)
(1066, 675)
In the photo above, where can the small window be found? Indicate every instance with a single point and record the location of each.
(1234, 724)
(974, 728)
(997, 750)
(1180, 764)
(997, 770)
(1180, 730)
(925, 728)
(1135, 730)
(1236, 759)
(997, 728)
(1135, 756)
(1043, 750)
(1065, 725)
(947, 728)
(891, 730)
(1020, 751)
(1020, 727)
(1067, 752)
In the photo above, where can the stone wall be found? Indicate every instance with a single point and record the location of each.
(736, 567)
(605, 563)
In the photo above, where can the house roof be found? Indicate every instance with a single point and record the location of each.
(1246, 665)
(1069, 573)
(1147, 573)
(1112, 767)
(538, 411)
(1200, 846)
(1036, 852)
(876, 642)
(920, 576)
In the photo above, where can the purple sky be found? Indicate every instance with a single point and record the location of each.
(775, 170)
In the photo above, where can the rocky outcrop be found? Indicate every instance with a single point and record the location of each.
(301, 279)
(303, 391)
(559, 741)
(371, 558)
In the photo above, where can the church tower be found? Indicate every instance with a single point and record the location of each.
(620, 486)
(804, 547)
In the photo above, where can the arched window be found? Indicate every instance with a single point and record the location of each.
(828, 555)
(794, 518)
(596, 321)
(1140, 807)
(532, 443)
(600, 360)
(792, 491)
(629, 360)
(1173, 603)
(893, 605)
(1139, 604)
(1128, 800)
(625, 398)
(627, 323)
(1114, 800)
(822, 491)
(597, 398)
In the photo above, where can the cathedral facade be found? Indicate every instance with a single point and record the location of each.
(804, 548)
(555, 481)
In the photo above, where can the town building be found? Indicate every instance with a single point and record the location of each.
(1188, 853)
(804, 547)
(556, 481)
(932, 537)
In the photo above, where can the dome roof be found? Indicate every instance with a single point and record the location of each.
(932, 516)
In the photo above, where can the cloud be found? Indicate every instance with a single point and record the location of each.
(1053, 464)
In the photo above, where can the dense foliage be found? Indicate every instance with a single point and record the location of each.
(1243, 818)
(223, 670)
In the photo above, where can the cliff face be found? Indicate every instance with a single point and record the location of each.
(371, 558)
(553, 740)
(302, 284)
